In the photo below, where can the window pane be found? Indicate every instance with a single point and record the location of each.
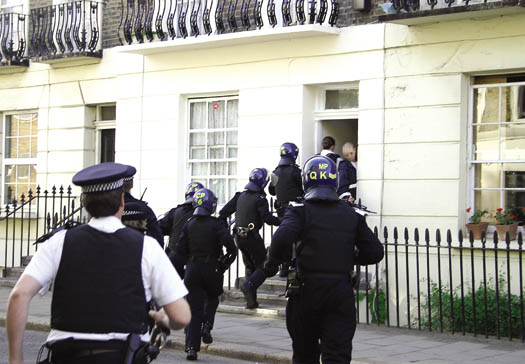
(341, 99)
(216, 145)
(10, 193)
(515, 200)
(11, 145)
(34, 146)
(488, 200)
(197, 153)
(32, 174)
(107, 145)
(232, 152)
(217, 169)
(198, 115)
(486, 142)
(232, 185)
(231, 138)
(24, 125)
(22, 189)
(10, 174)
(513, 103)
(34, 126)
(488, 175)
(218, 187)
(232, 169)
(513, 142)
(199, 169)
(233, 113)
(22, 175)
(197, 139)
(11, 125)
(108, 112)
(486, 105)
(24, 147)
(216, 114)
(514, 175)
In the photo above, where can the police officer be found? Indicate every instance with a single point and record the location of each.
(344, 175)
(104, 275)
(153, 228)
(251, 212)
(286, 183)
(320, 313)
(134, 217)
(201, 241)
(174, 221)
(287, 186)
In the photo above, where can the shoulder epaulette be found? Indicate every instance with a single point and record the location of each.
(296, 204)
(68, 225)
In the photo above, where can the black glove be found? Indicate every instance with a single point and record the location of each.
(270, 268)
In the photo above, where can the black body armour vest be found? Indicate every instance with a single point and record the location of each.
(246, 211)
(180, 217)
(98, 287)
(286, 188)
(202, 237)
(328, 239)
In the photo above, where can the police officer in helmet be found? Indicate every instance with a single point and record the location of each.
(287, 186)
(174, 221)
(320, 313)
(251, 212)
(202, 239)
(104, 276)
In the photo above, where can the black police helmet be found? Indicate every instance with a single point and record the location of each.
(320, 179)
(204, 202)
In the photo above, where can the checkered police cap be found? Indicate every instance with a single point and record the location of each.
(101, 177)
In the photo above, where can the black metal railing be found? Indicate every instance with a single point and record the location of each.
(69, 28)
(13, 39)
(26, 220)
(417, 5)
(162, 20)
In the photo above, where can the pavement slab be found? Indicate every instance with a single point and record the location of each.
(265, 339)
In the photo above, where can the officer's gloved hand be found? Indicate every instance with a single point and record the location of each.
(270, 268)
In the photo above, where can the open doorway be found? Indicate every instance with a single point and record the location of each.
(342, 130)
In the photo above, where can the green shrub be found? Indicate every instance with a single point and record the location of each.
(453, 317)
(377, 306)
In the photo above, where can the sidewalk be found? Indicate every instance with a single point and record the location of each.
(266, 339)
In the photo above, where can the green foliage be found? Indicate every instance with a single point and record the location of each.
(377, 306)
(474, 317)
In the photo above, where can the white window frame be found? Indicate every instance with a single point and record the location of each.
(471, 149)
(15, 161)
(101, 125)
(24, 10)
(226, 160)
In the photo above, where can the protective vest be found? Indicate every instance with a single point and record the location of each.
(202, 237)
(328, 240)
(246, 211)
(287, 188)
(181, 215)
(98, 287)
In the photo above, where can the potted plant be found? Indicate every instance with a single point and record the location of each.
(475, 225)
(506, 221)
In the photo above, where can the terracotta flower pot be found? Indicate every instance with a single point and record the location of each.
(502, 230)
(477, 229)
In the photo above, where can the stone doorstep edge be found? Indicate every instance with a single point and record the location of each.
(208, 349)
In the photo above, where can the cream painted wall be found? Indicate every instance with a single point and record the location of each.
(413, 99)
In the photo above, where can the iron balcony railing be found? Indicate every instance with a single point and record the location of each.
(420, 5)
(13, 39)
(67, 29)
(149, 20)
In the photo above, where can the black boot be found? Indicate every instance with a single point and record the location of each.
(206, 333)
(192, 354)
(250, 294)
(283, 273)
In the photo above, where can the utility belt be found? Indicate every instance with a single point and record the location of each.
(242, 232)
(202, 259)
(133, 350)
(294, 280)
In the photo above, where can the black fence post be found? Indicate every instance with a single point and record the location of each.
(407, 275)
(30, 200)
(440, 288)
(496, 275)
(451, 286)
(509, 295)
(484, 251)
(520, 264)
(474, 313)
(429, 293)
(396, 274)
(6, 238)
(387, 295)
(462, 288)
(416, 240)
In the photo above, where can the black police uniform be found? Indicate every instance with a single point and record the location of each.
(251, 212)
(172, 225)
(152, 227)
(320, 317)
(201, 241)
(288, 187)
(346, 174)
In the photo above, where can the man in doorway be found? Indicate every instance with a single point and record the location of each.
(343, 181)
(350, 153)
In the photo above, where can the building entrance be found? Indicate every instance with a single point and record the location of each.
(342, 130)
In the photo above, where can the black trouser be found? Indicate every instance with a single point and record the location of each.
(71, 351)
(281, 210)
(321, 321)
(253, 251)
(204, 281)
